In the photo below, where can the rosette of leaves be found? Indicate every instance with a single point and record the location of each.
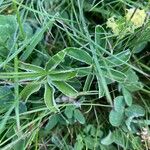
(56, 78)
(52, 77)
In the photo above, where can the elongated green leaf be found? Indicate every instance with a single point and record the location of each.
(49, 97)
(29, 90)
(79, 54)
(69, 111)
(30, 67)
(21, 75)
(62, 75)
(79, 116)
(6, 117)
(100, 37)
(114, 75)
(100, 87)
(65, 88)
(127, 96)
(36, 39)
(83, 71)
(52, 122)
(55, 60)
(111, 61)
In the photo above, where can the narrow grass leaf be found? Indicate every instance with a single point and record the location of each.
(30, 67)
(21, 75)
(36, 39)
(6, 117)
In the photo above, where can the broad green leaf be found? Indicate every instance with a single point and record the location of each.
(28, 30)
(16, 52)
(55, 60)
(20, 145)
(79, 54)
(79, 116)
(116, 59)
(6, 118)
(62, 75)
(89, 140)
(79, 143)
(8, 30)
(127, 96)
(29, 90)
(65, 88)
(6, 98)
(8, 27)
(22, 107)
(1, 2)
(49, 96)
(138, 48)
(105, 147)
(69, 111)
(30, 67)
(121, 139)
(108, 139)
(57, 141)
(132, 82)
(119, 104)
(52, 122)
(36, 39)
(116, 118)
(100, 38)
(135, 111)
